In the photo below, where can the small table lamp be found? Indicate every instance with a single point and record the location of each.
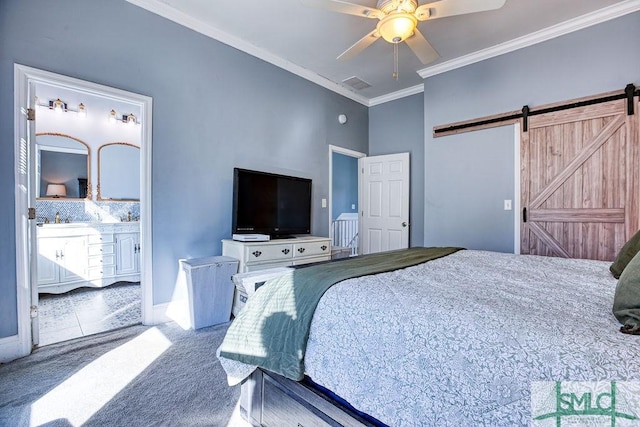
(56, 190)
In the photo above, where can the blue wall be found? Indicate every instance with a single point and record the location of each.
(214, 108)
(345, 184)
(468, 176)
(398, 127)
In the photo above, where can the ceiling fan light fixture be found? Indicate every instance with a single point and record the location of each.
(397, 27)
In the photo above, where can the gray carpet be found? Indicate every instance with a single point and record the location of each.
(135, 376)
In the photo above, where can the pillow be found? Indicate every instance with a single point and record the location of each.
(627, 252)
(626, 302)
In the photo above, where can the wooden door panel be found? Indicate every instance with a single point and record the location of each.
(580, 182)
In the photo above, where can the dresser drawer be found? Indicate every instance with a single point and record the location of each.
(105, 260)
(258, 266)
(103, 249)
(311, 248)
(260, 253)
(104, 271)
(100, 238)
(310, 260)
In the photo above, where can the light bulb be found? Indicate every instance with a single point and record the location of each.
(58, 106)
(397, 27)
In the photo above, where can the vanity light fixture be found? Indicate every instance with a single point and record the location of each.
(56, 190)
(58, 106)
(82, 110)
(131, 119)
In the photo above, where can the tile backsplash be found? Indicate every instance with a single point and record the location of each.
(86, 210)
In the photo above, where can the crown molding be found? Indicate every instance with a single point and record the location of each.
(168, 12)
(602, 15)
(396, 95)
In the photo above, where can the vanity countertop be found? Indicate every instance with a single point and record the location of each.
(82, 228)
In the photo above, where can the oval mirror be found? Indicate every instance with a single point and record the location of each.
(63, 167)
(119, 172)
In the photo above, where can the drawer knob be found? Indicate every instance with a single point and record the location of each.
(301, 250)
(285, 251)
(323, 247)
(256, 253)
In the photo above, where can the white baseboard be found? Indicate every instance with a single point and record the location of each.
(159, 314)
(10, 349)
(173, 311)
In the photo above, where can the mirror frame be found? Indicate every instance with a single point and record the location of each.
(89, 192)
(98, 195)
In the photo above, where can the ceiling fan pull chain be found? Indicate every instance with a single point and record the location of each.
(395, 61)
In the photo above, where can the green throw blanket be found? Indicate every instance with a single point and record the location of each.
(272, 329)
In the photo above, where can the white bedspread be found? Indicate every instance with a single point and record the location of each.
(458, 341)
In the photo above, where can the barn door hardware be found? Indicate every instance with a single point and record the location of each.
(525, 118)
(630, 91)
(524, 214)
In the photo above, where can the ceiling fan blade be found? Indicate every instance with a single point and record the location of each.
(444, 8)
(345, 7)
(421, 47)
(359, 46)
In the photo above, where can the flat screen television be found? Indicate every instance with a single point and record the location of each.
(267, 203)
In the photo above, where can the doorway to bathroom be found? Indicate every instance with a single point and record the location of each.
(83, 254)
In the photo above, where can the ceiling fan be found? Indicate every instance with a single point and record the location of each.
(398, 20)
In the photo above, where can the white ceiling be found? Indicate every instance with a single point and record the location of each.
(306, 41)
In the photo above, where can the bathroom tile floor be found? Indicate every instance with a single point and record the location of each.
(87, 311)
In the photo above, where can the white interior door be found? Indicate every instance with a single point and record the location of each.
(384, 203)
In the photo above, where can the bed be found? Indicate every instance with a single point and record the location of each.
(458, 340)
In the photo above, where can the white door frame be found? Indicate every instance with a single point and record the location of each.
(346, 152)
(20, 345)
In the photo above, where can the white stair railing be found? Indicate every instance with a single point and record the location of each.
(345, 232)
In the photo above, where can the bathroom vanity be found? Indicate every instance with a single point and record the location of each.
(94, 255)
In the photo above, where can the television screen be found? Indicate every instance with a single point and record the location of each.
(266, 203)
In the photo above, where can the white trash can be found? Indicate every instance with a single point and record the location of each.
(209, 289)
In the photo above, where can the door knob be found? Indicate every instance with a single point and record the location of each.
(404, 224)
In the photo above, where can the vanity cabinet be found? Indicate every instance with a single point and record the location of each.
(62, 259)
(71, 256)
(277, 253)
(128, 250)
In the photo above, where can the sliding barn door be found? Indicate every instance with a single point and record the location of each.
(580, 181)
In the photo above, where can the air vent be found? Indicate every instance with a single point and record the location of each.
(356, 83)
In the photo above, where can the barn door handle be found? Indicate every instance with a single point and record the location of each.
(524, 214)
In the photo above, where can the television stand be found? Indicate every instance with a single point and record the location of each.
(277, 253)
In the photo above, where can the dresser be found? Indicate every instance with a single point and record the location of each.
(95, 255)
(277, 253)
